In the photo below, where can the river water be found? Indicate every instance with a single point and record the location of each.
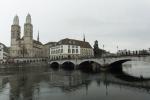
(49, 84)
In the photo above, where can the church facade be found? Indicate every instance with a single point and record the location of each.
(25, 46)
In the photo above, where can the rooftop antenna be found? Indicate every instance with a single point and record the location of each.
(84, 37)
(38, 36)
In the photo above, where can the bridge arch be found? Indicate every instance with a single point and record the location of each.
(98, 61)
(54, 65)
(68, 65)
(117, 65)
(89, 66)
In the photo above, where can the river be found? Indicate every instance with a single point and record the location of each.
(49, 84)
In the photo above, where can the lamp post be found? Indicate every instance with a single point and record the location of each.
(103, 54)
(103, 50)
(117, 50)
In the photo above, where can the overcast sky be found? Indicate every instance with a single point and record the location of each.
(125, 23)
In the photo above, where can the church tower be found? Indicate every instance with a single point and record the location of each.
(15, 31)
(28, 29)
(28, 35)
(24, 46)
(15, 37)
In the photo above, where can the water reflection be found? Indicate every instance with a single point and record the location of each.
(137, 68)
(45, 84)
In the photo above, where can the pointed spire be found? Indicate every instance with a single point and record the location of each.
(16, 20)
(38, 39)
(28, 19)
(84, 37)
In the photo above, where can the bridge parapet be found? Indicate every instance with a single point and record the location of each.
(102, 61)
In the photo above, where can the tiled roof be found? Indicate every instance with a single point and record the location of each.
(50, 43)
(5, 47)
(82, 44)
(37, 42)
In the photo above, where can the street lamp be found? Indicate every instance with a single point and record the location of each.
(103, 54)
(117, 50)
(103, 50)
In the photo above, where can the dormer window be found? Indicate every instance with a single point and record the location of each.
(69, 42)
(74, 42)
(59, 43)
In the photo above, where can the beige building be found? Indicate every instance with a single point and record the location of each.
(24, 46)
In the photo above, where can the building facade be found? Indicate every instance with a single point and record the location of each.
(47, 47)
(25, 46)
(134, 52)
(3, 53)
(71, 49)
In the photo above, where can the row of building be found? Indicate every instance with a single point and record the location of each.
(26, 47)
(134, 52)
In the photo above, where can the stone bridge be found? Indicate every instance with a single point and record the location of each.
(102, 63)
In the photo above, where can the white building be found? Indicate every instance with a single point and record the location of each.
(3, 53)
(71, 49)
(64, 51)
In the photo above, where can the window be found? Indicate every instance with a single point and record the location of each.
(61, 50)
(57, 51)
(77, 51)
(74, 42)
(60, 42)
(73, 51)
(69, 50)
(70, 42)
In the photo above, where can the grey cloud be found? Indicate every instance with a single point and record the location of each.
(112, 22)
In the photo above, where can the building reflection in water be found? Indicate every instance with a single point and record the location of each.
(31, 85)
(68, 80)
(26, 86)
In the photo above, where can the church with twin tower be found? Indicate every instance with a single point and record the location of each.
(24, 46)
